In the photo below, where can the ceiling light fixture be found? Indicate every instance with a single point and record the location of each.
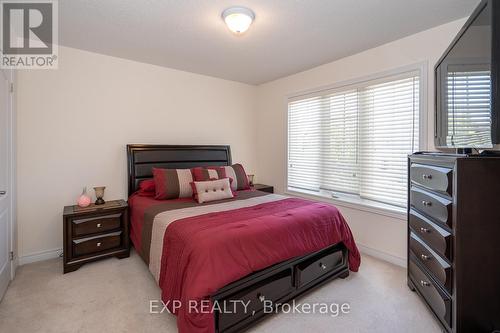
(238, 19)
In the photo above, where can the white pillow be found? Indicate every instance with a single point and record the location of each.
(212, 190)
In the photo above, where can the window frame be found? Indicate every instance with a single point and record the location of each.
(353, 201)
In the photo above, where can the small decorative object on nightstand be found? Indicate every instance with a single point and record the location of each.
(95, 232)
(84, 200)
(250, 179)
(99, 194)
(263, 188)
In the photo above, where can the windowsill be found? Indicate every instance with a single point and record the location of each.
(352, 202)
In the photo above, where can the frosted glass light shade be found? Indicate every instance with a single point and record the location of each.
(238, 19)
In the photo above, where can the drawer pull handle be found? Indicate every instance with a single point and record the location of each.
(323, 266)
(425, 177)
(99, 225)
(262, 298)
(425, 257)
(424, 230)
(426, 203)
(425, 283)
(98, 244)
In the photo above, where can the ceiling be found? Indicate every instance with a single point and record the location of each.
(287, 36)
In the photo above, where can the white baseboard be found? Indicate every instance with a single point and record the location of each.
(39, 256)
(382, 255)
(54, 253)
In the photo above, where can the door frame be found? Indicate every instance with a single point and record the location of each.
(13, 171)
(12, 188)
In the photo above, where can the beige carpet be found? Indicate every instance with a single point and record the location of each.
(113, 296)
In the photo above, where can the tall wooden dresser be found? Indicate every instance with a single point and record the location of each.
(454, 238)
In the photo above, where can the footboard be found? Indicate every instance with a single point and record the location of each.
(276, 285)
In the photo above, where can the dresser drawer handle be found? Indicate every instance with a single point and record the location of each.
(425, 283)
(99, 225)
(426, 203)
(98, 244)
(323, 266)
(426, 177)
(425, 257)
(424, 230)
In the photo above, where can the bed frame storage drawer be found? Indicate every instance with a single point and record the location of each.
(88, 245)
(437, 266)
(319, 266)
(277, 284)
(270, 289)
(436, 178)
(438, 300)
(92, 225)
(432, 205)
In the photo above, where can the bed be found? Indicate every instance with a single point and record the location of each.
(221, 265)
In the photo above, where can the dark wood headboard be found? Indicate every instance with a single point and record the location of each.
(142, 158)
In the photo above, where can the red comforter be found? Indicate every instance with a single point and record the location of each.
(202, 254)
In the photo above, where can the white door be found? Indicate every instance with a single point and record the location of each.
(5, 181)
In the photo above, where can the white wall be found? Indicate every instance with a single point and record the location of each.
(383, 234)
(73, 124)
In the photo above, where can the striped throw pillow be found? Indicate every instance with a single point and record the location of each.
(172, 183)
(208, 173)
(239, 177)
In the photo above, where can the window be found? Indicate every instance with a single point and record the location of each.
(355, 140)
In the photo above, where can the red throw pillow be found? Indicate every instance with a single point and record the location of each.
(147, 188)
(172, 183)
(208, 173)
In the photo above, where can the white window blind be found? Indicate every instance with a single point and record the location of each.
(469, 108)
(339, 139)
(355, 140)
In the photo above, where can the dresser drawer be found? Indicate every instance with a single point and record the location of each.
(96, 244)
(438, 300)
(440, 269)
(270, 289)
(318, 266)
(82, 227)
(431, 205)
(436, 178)
(436, 237)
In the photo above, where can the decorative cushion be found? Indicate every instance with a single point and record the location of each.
(147, 188)
(172, 183)
(208, 173)
(239, 176)
(212, 190)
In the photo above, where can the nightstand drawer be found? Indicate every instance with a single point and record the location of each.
(96, 224)
(95, 232)
(96, 244)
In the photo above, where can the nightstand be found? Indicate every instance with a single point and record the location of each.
(263, 188)
(95, 232)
